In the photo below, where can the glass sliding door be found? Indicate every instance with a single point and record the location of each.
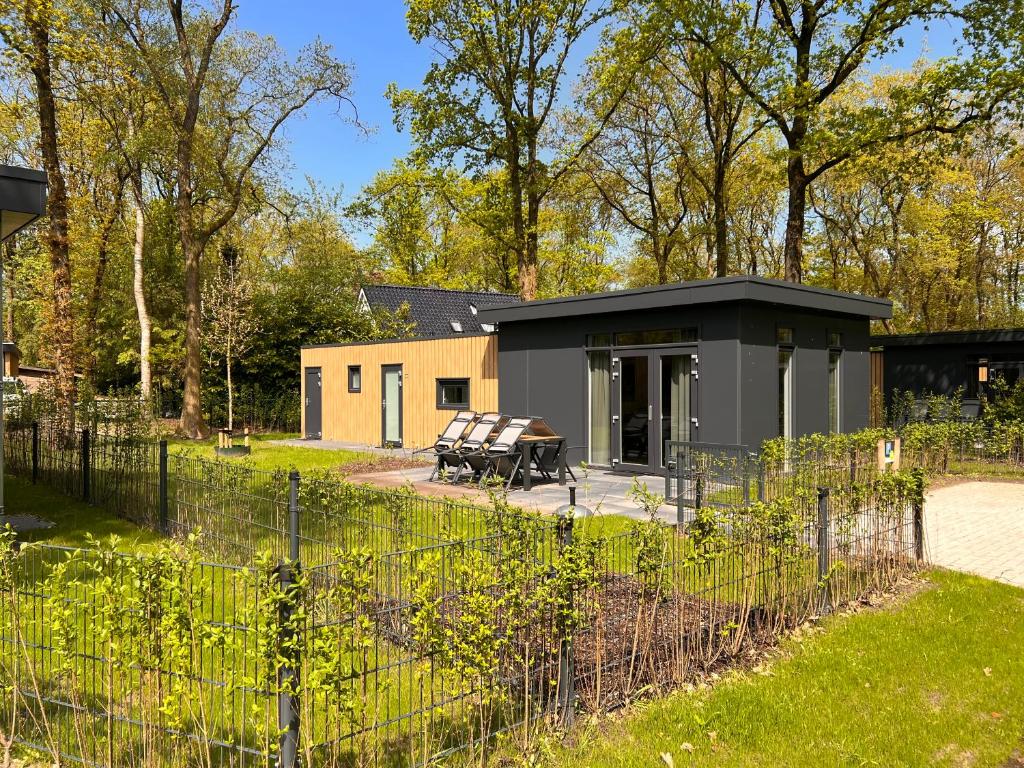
(600, 407)
(635, 410)
(675, 407)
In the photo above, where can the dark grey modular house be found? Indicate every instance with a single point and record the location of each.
(731, 360)
(941, 363)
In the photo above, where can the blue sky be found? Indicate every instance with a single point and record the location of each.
(373, 37)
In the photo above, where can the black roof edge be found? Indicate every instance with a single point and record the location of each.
(982, 335)
(738, 288)
(25, 174)
(394, 341)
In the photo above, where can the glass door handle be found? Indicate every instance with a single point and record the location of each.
(650, 413)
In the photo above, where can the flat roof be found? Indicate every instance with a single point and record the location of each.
(716, 290)
(983, 336)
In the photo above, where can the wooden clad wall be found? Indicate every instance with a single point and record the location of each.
(356, 417)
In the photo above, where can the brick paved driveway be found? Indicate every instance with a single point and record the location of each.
(978, 527)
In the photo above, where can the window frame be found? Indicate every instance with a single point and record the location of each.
(463, 381)
(358, 370)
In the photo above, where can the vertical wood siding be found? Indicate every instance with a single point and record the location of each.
(356, 416)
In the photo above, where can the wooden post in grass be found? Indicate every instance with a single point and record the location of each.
(823, 552)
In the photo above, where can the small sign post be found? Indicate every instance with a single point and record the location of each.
(889, 454)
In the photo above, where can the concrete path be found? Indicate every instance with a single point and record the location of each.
(977, 526)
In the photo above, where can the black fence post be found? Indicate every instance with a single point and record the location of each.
(86, 490)
(698, 491)
(919, 514)
(35, 452)
(566, 662)
(825, 605)
(288, 683)
(165, 523)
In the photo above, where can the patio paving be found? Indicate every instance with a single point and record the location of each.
(602, 492)
(977, 526)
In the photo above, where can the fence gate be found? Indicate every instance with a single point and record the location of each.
(709, 474)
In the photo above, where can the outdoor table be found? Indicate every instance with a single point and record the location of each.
(528, 445)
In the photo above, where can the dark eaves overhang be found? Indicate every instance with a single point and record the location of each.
(22, 198)
(990, 336)
(718, 290)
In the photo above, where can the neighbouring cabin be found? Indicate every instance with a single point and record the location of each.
(948, 362)
(727, 361)
(396, 393)
(403, 392)
(31, 376)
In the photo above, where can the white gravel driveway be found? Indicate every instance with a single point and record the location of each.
(978, 527)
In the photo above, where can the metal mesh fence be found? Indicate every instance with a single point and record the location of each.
(410, 627)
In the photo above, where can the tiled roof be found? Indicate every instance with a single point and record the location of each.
(434, 310)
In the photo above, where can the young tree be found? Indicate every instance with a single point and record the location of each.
(231, 325)
(225, 98)
(805, 53)
(491, 97)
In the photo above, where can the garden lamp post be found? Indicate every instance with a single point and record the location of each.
(22, 201)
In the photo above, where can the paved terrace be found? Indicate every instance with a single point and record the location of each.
(603, 492)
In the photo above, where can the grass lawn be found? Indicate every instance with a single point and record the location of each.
(935, 680)
(74, 520)
(266, 455)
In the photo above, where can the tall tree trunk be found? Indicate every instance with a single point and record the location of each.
(138, 289)
(61, 326)
(192, 423)
(794, 249)
(10, 260)
(721, 223)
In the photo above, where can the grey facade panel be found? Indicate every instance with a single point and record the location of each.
(543, 369)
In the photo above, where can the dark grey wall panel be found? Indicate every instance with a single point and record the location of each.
(941, 368)
(543, 371)
(759, 401)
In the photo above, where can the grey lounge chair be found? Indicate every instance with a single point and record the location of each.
(502, 456)
(451, 436)
(479, 433)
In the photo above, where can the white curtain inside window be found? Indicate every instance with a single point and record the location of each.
(600, 407)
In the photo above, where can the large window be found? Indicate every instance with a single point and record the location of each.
(834, 360)
(643, 338)
(785, 392)
(355, 378)
(453, 394)
(600, 407)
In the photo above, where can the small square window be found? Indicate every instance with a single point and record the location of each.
(784, 335)
(355, 378)
(453, 394)
(835, 339)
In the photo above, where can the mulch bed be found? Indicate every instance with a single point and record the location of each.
(680, 638)
(374, 464)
